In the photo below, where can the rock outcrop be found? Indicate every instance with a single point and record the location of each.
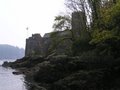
(69, 73)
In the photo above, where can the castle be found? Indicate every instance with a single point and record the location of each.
(37, 45)
(33, 45)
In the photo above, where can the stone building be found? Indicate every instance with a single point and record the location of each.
(37, 45)
(57, 43)
(44, 46)
(33, 45)
(78, 24)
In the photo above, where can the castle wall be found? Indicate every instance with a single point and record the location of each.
(37, 45)
(33, 45)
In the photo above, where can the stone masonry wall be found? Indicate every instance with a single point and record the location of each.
(33, 45)
(78, 24)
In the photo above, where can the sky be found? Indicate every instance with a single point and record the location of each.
(17, 15)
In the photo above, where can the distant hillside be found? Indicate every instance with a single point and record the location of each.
(10, 52)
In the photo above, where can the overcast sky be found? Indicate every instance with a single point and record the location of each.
(17, 15)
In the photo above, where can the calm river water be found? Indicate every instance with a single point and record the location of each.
(8, 81)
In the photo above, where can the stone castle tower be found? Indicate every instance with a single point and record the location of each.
(33, 45)
(78, 23)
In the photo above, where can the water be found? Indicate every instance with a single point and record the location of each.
(2, 61)
(8, 81)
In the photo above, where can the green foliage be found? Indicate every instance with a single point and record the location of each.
(109, 47)
(101, 36)
(107, 37)
(62, 23)
(110, 16)
(80, 46)
(107, 43)
(60, 43)
(115, 17)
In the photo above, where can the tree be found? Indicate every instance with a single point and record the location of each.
(62, 23)
(80, 6)
(91, 8)
(107, 37)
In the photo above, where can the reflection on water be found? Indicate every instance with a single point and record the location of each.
(8, 81)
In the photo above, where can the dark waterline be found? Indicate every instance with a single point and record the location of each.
(8, 81)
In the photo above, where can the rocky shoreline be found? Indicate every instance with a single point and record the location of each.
(68, 73)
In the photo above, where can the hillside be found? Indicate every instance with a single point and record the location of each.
(10, 52)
